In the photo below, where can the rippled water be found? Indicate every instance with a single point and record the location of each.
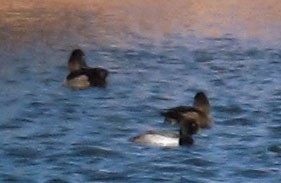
(158, 57)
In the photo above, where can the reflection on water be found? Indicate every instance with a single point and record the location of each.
(120, 22)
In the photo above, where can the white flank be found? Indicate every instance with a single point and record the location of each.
(160, 140)
(79, 82)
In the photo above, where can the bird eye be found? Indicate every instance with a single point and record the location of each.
(194, 124)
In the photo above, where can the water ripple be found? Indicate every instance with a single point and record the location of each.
(50, 133)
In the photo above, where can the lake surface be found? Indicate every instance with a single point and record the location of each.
(159, 54)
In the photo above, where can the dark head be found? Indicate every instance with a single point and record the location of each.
(188, 127)
(201, 102)
(76, 60)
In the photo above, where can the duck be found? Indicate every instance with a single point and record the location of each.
(188, 127)
(82, 76)
(200, 111)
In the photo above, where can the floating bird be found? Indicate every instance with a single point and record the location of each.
(188, 127)
(200, 112)
(82, 76)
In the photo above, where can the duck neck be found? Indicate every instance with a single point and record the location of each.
(185, 140)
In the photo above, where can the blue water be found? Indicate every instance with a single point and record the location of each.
(50, 133)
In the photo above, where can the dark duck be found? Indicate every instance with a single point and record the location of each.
(200, 112)
(82, 76)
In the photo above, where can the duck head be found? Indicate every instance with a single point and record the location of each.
(202, 103)
(188, 127)
(77, 60)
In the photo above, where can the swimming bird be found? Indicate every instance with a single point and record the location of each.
(188, 127)
(200, 112)
(82, 76)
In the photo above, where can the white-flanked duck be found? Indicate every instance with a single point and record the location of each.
(188, 127)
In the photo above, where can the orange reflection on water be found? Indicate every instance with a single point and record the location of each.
(116, 21)
(244, 18)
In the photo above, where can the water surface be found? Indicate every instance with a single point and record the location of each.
(159, 55)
